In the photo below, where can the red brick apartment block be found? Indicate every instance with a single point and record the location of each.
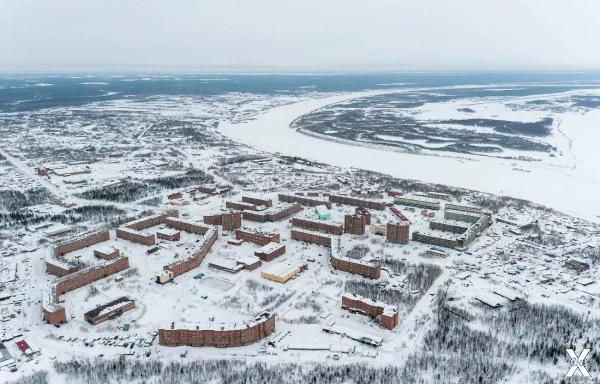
(354, 224)
(151, 221)
(186, 264)
(318, 225)
(257, 201)
(270, 251)
(59, 267)
(306, 201)
(256, 236)
(55, 316)
(357, 202)
(219, 335)
(89, 275)
(387, 314)
(362, 211)
(311, 237)
(279, 212)
(398, 232)
(229, 220)
(136, 236)
(81, 242)
(350, 265)
(208, 190)
(240, 206)
(186, 225)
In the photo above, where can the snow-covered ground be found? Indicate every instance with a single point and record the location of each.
(567, 184)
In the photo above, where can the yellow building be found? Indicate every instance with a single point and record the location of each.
(280, 272)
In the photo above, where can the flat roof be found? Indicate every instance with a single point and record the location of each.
(168, 231)
(271, 247)
(281, 268)
(221, 326)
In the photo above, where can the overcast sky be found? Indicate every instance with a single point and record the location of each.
(306, 35)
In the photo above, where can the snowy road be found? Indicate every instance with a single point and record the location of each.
(560, 187)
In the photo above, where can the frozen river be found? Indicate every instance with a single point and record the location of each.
(571, 186)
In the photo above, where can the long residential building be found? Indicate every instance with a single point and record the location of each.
(304, 200)
(221, 335)
(136, 236)
(463, 208)
(451, 233)
(194, 260)
(55, 263)
(151, 221)
(229, 220)
(311, 237)
(240, 206)
(357, 202)
(355, 266)
(132, 231)
(418, 202)
(257, 236)
(257, 201)
(53, 312)
(186, 226)
(325, 226)
(387, 314)
(81, 242)
(279, 212)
